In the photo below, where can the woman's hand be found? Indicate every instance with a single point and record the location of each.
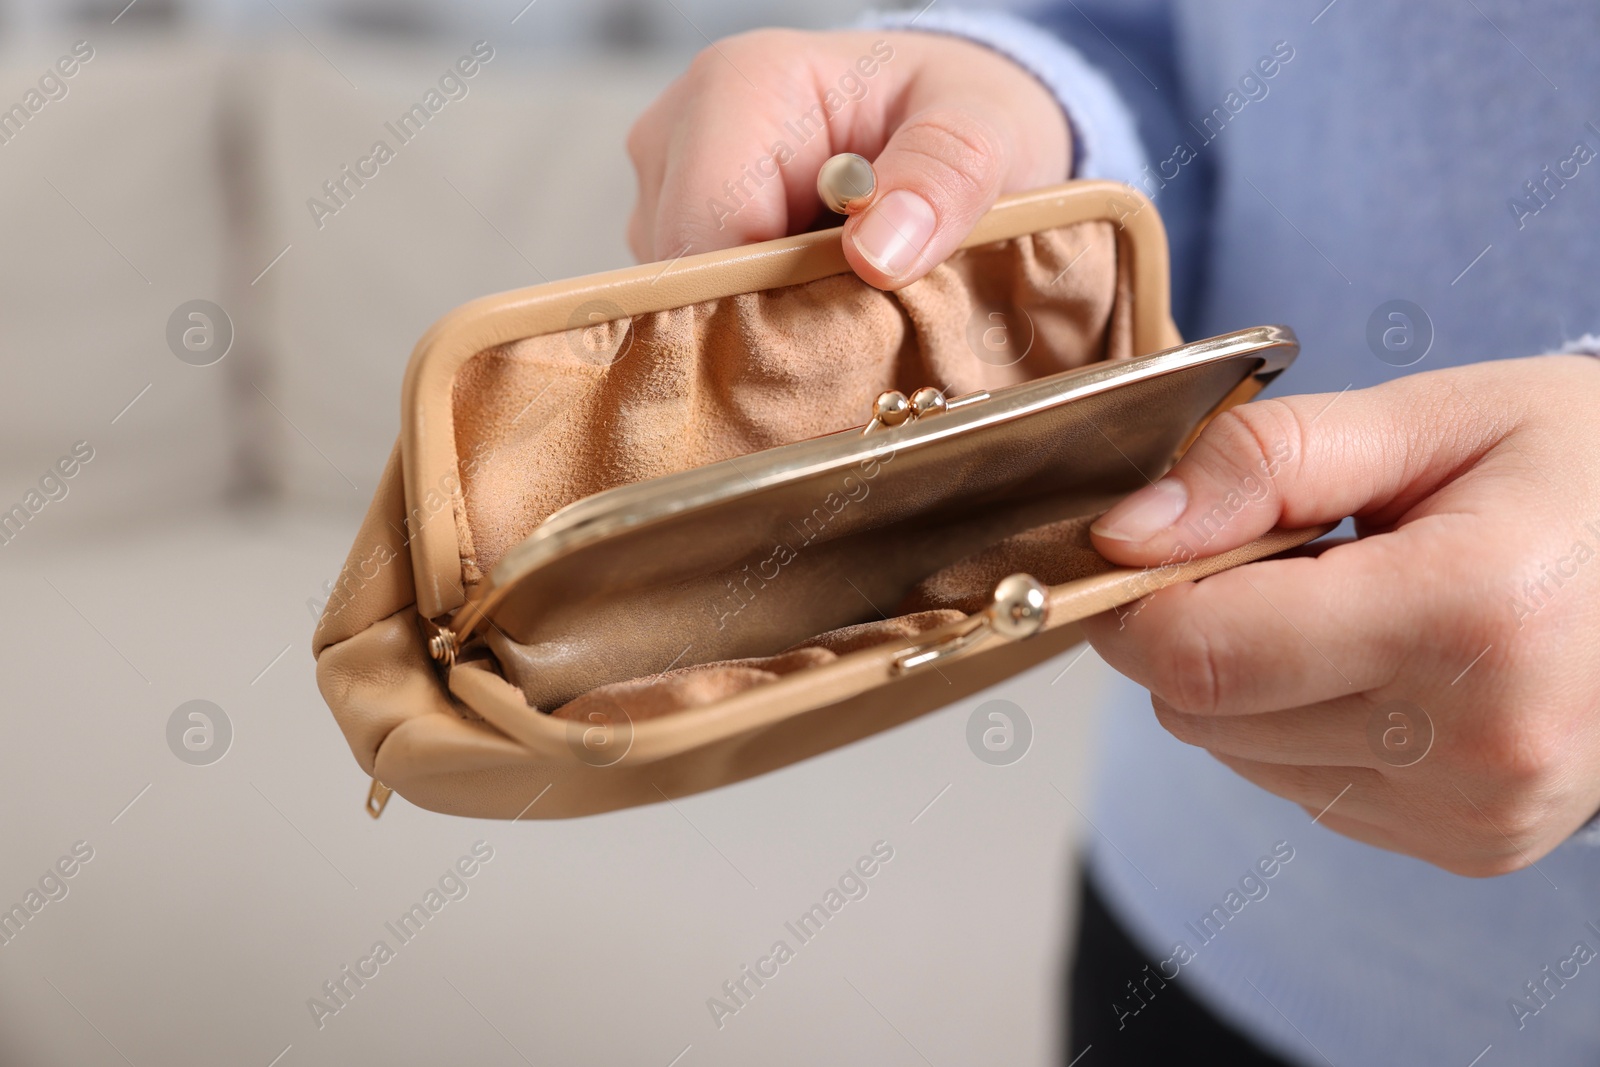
(1435, 685)
(730, 152)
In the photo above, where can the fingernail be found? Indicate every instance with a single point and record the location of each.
(1145, 513)
(893, 232)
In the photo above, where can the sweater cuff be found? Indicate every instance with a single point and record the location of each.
(1587, 345)
(1105, 138)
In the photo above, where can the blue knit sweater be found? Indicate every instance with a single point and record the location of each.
(1314, 160)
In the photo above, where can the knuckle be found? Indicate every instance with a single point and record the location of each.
(1491, 865)
(1528, 763)
(1191, 677)
(710, 66)
(1257, 440)
(730, 57)
(1518, 760)
(1514, 823)
(960, 154)
(706, 62)
(637, 141)
(636, 237)
(677, 236)
(765, 41)
(1509, 829)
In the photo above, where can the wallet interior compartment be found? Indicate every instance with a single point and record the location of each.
(692, 642)
(637, 581)
(553, 419)
(548, 420)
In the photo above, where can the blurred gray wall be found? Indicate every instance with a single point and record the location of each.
(680, 24)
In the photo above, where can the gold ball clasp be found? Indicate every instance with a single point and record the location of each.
(1019, 605)
(891, 408)
(846, 183)
(927, 401)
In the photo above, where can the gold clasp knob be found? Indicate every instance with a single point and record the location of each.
(893, 409)
(1018, 611)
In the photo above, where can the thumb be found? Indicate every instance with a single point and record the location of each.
(1300, 461)
(937, 175)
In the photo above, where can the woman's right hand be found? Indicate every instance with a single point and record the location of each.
(729, 154)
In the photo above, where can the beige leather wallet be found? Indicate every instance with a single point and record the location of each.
(650, 532)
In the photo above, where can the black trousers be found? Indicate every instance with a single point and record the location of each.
(1170, 1028)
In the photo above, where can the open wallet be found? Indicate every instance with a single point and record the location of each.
(650, 532)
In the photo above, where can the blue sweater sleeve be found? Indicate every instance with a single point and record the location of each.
(1104, 134)
(1117, 82)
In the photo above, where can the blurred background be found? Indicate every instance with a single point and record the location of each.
(187, 559)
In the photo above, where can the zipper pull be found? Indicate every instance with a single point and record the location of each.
(377, 797)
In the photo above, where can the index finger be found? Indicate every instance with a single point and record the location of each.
(1286, 633)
